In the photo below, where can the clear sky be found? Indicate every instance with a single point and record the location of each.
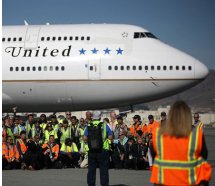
(188, 25)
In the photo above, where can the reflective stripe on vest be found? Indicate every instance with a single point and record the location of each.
(190, 165)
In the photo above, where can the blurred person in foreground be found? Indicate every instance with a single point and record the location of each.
(180, 150)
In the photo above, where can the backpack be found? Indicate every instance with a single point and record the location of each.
(95, 141)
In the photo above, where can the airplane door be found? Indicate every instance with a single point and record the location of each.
(94, 69)
(32, 37)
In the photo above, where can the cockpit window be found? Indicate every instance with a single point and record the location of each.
(148, 34)
(139, 35)
(143, 34)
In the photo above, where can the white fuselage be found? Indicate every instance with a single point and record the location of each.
(92, 66)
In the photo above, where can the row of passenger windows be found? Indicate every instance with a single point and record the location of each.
(150, 68)
(9, 39)
(65, 38)
(44, 68)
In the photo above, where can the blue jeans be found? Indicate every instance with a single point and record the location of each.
(102, 160)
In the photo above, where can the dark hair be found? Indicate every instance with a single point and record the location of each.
(51, 136)
(65, 121)
(107, 120)
(74, 117)
(22, 132)
(137, 117)
(67, 141)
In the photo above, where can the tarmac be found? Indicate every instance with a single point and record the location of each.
(78, 177)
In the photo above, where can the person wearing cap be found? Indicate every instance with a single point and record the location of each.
(99, 156)
(152, 123)
(136, 126)
(69, 154)
(54, 121)
(121, 127)
(163, 118)
(197, 121)
(48, 132)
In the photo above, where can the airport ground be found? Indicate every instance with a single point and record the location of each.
(77, 177)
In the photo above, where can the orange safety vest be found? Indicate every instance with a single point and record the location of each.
(22, 145)
(10, 152)
(151, 126)
(134, 128)
(55, 149)
(178, 160)
(5, 150)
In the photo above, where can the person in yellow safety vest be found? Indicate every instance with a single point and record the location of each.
(19, 127)
(80, 130)
(44, 121)
(29, 126)
(54, 121)
(65, 132)
(69, 154)
(68, 117)
(180, 151)
(98, 136)
(197, 122)
(84, 154)
(48, 132)
(7, 129)
(38, 130)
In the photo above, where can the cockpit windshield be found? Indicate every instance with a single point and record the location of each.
(143, 34)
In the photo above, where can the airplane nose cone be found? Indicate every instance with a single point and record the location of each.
(201, 71)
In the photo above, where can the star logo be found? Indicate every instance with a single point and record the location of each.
(94, 51)
(119, 51)
(124, 34)
(82, 51)
(107, 51)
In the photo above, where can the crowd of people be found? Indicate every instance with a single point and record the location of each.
(58, 142)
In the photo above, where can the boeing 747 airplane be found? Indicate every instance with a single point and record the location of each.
(90, 66)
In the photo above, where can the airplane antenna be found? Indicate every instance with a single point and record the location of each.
(26, 23)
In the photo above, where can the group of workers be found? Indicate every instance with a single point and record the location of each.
(41, 142)
(63, 142)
